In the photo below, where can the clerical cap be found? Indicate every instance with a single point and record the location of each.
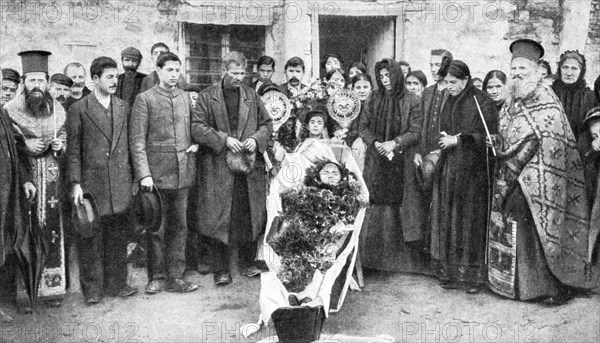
(528, 49)
(34, 61)
(11, 75)
(62, 79)
(131, 52)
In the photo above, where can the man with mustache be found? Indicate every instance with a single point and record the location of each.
(229, 122)
(165, 159)
(153, 79)
(99, 163)
(76, 72)
(538, 231)
(9, 85)
(39, 125)
(60, 86)
(294, 73)
(130, 82)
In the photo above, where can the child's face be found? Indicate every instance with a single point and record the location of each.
(315, 126)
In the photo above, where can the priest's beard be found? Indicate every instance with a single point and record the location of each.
(37, 102)
(520, 87)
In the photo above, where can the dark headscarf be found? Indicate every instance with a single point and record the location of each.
(577, 99)
(396, 76)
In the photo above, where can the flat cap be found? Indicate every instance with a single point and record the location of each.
(11, 75)
(61, 79)
(131, 52)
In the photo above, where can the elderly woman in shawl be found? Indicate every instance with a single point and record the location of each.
(390, 127)
(460, 189)
(570, 87)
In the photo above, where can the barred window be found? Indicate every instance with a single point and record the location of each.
(207, 44)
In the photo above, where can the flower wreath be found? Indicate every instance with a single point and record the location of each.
(304, 241)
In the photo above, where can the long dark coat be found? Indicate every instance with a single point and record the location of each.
(98, 154)
(17, 173)
(210, 128)
(461, 190)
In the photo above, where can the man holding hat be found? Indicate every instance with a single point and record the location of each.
(10, 84)
(39, 125)
(231, 124)
(129, 83)
(60, 87)
(538, 229)
(15, 177)
(99, 164)
(165, 159)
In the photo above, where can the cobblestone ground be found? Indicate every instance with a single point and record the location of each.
(410, 308)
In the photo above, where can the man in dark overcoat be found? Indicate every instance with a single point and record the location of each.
(14, 174)
(230, 117)
(98, 163)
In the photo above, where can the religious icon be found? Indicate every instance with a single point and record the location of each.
(344, 107)
(278, 106)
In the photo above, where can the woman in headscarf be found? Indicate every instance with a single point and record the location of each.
(570, 87)
(390, 127)
(461, 187)
(494, 84)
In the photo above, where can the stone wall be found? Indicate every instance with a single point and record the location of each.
(80, 30)
(592, 51)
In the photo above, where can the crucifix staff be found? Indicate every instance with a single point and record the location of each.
(487, 132)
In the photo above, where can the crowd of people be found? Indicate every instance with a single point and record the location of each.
(481, 183)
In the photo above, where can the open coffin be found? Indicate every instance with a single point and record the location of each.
(331, 287)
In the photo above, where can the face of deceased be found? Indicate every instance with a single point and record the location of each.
(413, 85)
(330, 174)
(455, 85)
(294, 75)
(384, 76)
(107, 82)
(434, 66)
(495, 88)
(570, 71)
(332, 63)
(234, 75)
(316, 125)
(8, 91)
(363, 89)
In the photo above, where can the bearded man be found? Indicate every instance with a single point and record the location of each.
(39, 125)
(60, 86)
(538, 229)
(129, 83)
(10, 84)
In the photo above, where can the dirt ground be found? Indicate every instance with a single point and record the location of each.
(410, 308)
